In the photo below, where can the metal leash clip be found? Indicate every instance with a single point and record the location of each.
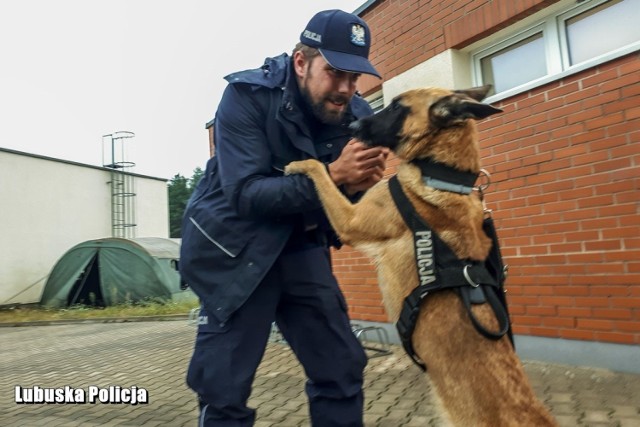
(485, 177)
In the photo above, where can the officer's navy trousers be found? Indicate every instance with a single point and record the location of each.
(301, 294)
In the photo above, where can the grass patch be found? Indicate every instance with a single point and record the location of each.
(151, 308)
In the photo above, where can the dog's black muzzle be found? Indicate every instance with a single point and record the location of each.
(381, 129)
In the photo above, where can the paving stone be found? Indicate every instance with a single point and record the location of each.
(629, 422)
(627, 411)
(596, 417)
(560, 397)
(154, 356)
(562, 408)
(567, 420)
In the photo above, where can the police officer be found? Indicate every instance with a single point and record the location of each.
(255, 243)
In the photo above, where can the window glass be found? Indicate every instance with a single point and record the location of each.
(376, 104)
(602, 29)
(515, 65)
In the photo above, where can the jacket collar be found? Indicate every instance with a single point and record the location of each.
(277, 73)
(273, 73)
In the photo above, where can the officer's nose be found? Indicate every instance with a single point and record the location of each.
(347, 83)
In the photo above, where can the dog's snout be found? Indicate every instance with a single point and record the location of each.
(355, 126)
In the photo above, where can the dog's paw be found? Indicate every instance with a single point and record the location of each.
(302, 166)
(294, 168)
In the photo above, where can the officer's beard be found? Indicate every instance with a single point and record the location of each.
(319, 108)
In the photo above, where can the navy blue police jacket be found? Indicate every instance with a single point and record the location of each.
(244, 210)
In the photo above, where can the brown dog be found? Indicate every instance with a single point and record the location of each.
(479, 381)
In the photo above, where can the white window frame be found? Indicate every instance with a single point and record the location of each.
(552, 25)
(376, 101)
(516, 38)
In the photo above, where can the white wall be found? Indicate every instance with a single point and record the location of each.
(449, 70)
(47, 206)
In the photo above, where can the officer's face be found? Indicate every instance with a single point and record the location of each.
(327, 90)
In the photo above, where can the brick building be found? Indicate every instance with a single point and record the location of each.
(564, 158)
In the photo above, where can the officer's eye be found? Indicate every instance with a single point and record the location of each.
(339, 74)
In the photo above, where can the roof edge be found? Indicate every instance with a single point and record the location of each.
(71, 162)
(364, 7)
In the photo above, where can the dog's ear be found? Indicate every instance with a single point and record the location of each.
(478, 93)
(455, 109)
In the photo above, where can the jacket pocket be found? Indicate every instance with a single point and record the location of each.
(225, 239)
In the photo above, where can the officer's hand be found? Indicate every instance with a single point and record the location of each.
(359, 167)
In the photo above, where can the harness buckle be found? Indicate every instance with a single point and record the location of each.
(465, 273)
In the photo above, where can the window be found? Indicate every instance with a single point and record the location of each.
(516, 64)
(574, 37)
(601, 29)
(376, 101)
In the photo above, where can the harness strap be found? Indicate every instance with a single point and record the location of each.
(497, 269)
(497, 307)
(473, 282)
(407, 323)
(411, 307)
(408, 319)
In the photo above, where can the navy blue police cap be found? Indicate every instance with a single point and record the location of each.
(342, 38)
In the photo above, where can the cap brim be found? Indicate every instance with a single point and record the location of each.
(347, 62)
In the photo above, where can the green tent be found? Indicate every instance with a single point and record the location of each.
(111, 271)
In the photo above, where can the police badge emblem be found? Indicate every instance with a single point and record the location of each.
(357, 35)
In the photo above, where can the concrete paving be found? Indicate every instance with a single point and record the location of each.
(153, 356)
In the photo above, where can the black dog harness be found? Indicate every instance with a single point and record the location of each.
(439, 268)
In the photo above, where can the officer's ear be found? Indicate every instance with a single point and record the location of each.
(300, 64)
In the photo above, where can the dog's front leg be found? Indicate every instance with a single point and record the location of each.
(339, 209)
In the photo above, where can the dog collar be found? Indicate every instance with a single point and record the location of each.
(443, 177)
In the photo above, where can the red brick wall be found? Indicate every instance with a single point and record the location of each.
(212, 146)
(564, 160)
(406, 33)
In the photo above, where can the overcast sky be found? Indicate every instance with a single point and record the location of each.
(74, 70)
